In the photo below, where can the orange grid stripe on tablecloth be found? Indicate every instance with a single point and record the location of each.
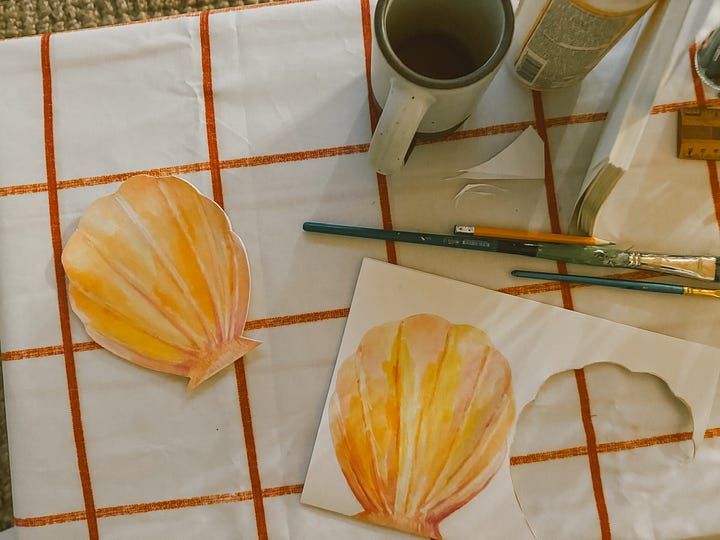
(592, 454)
(294, 489)
(239, 365)
(314, 316)
(63, 305)
(173, 504)
(567, 300)
(391, 252)
(269, 159)
(214, 165)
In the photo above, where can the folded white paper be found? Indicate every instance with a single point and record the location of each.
(522, 159)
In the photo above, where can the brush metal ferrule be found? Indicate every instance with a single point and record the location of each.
(702, 292)
(694, 267)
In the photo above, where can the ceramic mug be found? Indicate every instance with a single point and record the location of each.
(431, 63)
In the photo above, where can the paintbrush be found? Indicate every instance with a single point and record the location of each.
(698, 267)
(620, 283)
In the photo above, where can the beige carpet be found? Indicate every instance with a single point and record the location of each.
(29, 17)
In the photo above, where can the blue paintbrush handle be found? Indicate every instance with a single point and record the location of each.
(607, 282)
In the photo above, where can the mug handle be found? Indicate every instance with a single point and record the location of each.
(404, 109)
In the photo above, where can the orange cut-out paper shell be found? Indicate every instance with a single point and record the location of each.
(419, 419)
(158, 278)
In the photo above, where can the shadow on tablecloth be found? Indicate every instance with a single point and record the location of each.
(6, 520)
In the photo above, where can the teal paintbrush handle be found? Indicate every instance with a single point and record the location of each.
(429, 239)
(606, 282)
(706, 268)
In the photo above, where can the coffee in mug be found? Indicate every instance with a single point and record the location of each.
(431, 63)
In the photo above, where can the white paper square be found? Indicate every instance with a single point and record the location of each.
(294, 92)
(287, 381)
(516, 204)
(219, 521)
(22, 145)
(549, 488)
(290, 269)
(552, 421)
(29, 316)
(149, 439)
(131, 97)
(510, 203)
(73, 529)
(40, 437)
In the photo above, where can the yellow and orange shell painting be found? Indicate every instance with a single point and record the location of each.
(158, 278)
(420, 418)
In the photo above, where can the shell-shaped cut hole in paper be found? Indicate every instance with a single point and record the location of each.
(643, 442)
(419, 419)
(158, 278)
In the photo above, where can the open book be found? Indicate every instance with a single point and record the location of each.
(644, 75)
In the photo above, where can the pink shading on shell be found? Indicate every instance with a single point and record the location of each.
(158, 278)
(419, 419)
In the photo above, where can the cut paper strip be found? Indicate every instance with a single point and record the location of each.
(477, 189)
(523, 159)
(158, 278)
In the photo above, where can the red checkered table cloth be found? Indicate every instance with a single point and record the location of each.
(266, 109)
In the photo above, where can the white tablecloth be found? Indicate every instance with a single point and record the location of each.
(266, 109)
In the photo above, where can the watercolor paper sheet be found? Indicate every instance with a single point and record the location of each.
(521, 343)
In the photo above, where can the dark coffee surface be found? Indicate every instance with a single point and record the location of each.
(438, 56)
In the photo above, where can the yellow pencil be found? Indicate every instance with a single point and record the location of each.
(535, 236)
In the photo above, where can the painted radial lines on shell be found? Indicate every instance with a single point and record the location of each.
(419, 418)
(158, 278)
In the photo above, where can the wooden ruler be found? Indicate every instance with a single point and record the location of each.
(698, 134)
